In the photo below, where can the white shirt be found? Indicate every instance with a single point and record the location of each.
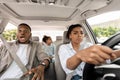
(14, 71)
(65, 52)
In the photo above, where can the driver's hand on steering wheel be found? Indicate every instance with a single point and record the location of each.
(96, 54)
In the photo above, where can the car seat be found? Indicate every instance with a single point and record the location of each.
(60, 74)
(58, 40)
(35, 38)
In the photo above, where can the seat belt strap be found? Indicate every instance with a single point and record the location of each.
(14, 56)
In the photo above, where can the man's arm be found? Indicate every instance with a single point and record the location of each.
(45, 63)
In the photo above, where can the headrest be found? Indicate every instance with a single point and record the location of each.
(35, 38)
(58, 38)
(65, 40)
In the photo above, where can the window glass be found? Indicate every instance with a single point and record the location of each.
(10, 32)
(105, 25)
(52, 34)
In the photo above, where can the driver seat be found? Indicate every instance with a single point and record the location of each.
(60, 74)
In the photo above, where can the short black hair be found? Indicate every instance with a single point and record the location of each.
(24, 24)
(71, 27)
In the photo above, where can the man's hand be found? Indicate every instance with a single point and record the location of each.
(38, 72)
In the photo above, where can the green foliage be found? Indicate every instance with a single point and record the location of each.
(105, 31)
(10, 35)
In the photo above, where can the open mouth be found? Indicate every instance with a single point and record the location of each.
(22, 38)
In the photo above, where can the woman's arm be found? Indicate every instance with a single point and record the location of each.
(117, 53)
(95, 54)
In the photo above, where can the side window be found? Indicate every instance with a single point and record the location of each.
(10, 32)
(105, 25)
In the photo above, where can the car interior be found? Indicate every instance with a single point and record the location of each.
(53, 17)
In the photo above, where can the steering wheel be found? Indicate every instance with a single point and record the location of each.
(89, 69)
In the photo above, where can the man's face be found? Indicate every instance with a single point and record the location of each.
(23, 34)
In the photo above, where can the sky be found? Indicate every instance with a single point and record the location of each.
(10, 26)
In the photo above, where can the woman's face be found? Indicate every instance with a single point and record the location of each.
(76, 35)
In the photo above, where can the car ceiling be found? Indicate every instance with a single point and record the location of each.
(47, 14)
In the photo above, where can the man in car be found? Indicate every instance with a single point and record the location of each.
(36, 62)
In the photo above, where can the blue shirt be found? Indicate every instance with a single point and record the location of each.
(49, 49)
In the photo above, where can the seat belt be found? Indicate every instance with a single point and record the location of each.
(12, 53)
(14, 56)
(2, 27)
